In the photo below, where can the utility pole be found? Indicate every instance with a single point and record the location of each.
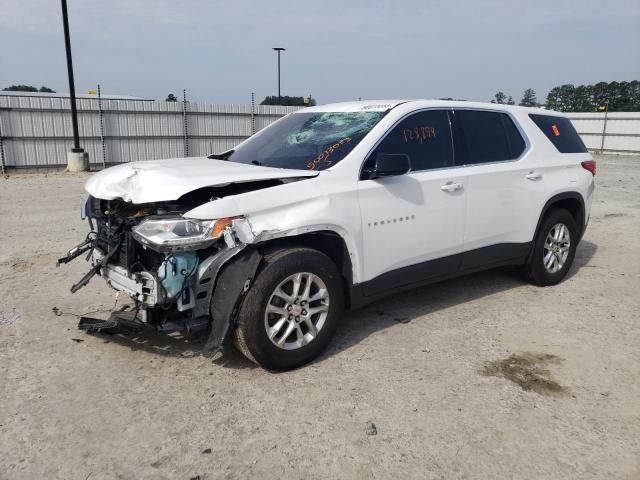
(279, 49)
(77, 159)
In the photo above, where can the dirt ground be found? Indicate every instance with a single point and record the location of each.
(479, 377)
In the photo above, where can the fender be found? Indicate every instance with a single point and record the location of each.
(553, 200)
(336, 229)
(231, 285)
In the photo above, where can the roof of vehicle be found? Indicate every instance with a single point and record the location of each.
(384, 105)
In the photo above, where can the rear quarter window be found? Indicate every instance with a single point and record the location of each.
(560, 132)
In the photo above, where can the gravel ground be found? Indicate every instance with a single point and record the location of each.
(479, 377)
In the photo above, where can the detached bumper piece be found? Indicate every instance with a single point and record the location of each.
(117, 322)
(91, 325)
(129, 321)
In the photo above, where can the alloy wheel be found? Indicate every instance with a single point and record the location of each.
(296, 311)
(556, 248)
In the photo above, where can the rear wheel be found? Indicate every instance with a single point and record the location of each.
(554, 249)
(291, 311)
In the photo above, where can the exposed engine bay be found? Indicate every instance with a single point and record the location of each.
(170, 283)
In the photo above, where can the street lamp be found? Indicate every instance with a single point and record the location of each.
(279, 49)
(77, 159)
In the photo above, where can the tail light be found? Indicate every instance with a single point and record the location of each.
(590, 165)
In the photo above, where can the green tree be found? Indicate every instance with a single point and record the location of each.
(511, 101)
(582, 99)
(499, 97)
(553, 99)
(529, 98)
(20, 88)
(562, 98)
(600, 94)
(567, 97)
(633, 90)
(27, 88)
(171, 98)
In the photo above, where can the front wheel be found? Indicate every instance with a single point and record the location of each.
(554, 249)
(291, 311)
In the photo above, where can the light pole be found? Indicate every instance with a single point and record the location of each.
(77, 159)
(279, 49)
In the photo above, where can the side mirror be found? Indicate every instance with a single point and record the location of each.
(388, 165)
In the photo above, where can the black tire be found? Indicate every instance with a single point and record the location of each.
(251, 336)
(536, 272)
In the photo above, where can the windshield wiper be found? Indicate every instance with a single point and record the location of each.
(256, 162)
(221, 156)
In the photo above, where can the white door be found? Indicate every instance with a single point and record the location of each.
(410, 219)
(504, 187)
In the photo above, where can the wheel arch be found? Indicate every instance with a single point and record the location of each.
(572, 201)
(329, 242)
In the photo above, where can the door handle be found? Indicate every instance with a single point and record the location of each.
(451, 187)
(533, 175)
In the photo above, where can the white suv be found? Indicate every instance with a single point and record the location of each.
(332, 207)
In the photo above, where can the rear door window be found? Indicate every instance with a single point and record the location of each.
(560, 132)
(486, 137)
(425, 137)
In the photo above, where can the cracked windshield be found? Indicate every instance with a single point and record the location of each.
(307, 141)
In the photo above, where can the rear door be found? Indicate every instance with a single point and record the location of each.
(410, 219)
(505, 188)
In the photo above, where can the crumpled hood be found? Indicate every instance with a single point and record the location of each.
(165, 180)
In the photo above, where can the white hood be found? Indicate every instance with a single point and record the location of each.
(165, 180)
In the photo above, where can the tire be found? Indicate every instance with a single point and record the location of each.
(549, 264)
(281, 270)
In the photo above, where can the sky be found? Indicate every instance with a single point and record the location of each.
(220, 51)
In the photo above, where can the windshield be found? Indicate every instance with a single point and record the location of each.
(307, 141)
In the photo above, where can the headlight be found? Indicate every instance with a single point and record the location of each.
(174, 234)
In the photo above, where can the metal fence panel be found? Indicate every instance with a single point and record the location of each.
(619, 133)
(36, 131)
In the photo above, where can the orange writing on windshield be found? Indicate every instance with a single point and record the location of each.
(324, 156)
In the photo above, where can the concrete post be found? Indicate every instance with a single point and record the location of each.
(77, 161)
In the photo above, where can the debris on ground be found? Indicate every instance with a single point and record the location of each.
(371, 428)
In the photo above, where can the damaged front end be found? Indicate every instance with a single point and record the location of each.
(168, 264)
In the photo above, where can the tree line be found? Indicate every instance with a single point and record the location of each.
(617, 96)
(614, 96)
(27, 88)
(289, 101)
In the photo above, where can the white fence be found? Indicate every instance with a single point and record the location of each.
(36, 131)
(614, 132)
